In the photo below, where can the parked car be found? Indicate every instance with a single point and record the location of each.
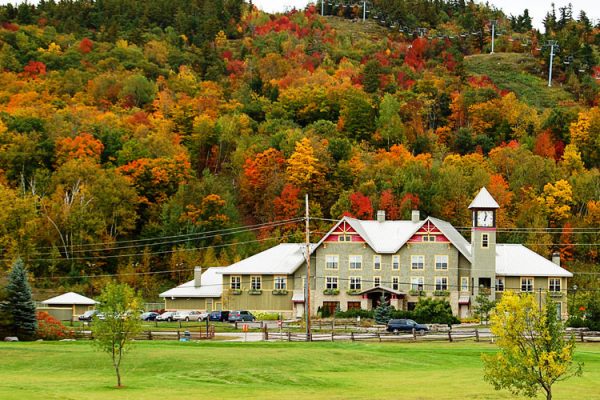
(405, 325)
(222, 316)
(241, 316)
(90, 314)
(190, 316)
(166, 316)
(149, 316)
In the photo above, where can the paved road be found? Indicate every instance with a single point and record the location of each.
(241, 337)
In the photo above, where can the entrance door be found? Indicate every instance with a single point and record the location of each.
(329, 308)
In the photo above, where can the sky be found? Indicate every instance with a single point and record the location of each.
(537, 8)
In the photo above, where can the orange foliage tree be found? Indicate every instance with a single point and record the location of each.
(82, 146)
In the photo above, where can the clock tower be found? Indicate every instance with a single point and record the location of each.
(483, 243)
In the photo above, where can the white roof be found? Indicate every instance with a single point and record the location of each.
(453, 236)
(70, 299)
(211, 285)
(298, 297)
(518, 260)
(483, 200)
(283, 259)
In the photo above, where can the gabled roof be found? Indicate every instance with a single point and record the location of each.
(483, 200)
(518, 260)
(383, 237)
(387, 237)
(211, 285)
(70, 299)
(382, 289)
(283, 259)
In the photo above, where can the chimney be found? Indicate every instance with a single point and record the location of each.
(556, 258)
(415, 216)
(197, 276)
(380, 216)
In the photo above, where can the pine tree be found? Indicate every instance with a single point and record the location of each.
(19, 303)
(383, 312)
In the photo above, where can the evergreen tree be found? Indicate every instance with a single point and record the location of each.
(383, 312)
(19, 303)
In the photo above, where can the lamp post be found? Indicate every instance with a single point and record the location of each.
(493, 22)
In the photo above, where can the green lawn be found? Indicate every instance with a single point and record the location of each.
(212, 370)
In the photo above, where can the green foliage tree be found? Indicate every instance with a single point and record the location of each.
(533, 351)
(115, 333)
(483, 307)
(383, 312)
(19, 305)
(436, 311)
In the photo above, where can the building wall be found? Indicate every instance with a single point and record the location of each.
(193, 303)
(266, 301)
(540, 291)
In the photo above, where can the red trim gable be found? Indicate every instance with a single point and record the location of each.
(347, 232)
(428, 233)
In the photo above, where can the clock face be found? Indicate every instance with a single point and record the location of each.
(485, 218)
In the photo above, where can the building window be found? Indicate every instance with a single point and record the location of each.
(344, 238)
(526, 284)
(499, 284)
(353, 305)
(441, 283)
(355, 262)
(417, 262)
(485, 240)
(416, 282)
(396, 282)
(376, 262)
(332, 262)
(441, 262)
(280, 283)
(464, 284)
(554, 284)
(235, 282)
(355, 283)
(331, 282)
(395, 262)
(428, 238)
(331, 307)
(376, 281)
(255, 283)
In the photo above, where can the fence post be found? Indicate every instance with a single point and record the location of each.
(379, 336)
(352, 336)
(476, 335)
(414, 332)
(332, 333)
(149, 335)
(449, 336)
(236, 325)
(333, 324)
(265, 333)
(289, 336)
(581, 335)
(178, 335)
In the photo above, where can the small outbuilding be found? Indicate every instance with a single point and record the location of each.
(68, 306)
(203, 293)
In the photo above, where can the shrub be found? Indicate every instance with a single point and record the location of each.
(49, 328)
(357, 312)
(434, 311)
(265, 316)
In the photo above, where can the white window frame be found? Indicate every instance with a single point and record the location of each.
(280, 282)
(420, 265)
(355, 283)
(500, 285)
(526, 282)
(395, 282)
(256, 282)
(417, 283)
(235, 282)
(331, 259)
(331, 282)
(464, 284)
(441, 283)
(395, 262)
(553, 287)
(439, 259)
(377, 262)
(355, 259)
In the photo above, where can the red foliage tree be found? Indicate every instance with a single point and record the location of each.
(544, 145)
(361, 206)
(566, 244)
(389, 204)
(34, 69)
(86, 45)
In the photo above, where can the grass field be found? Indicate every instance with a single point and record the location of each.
(518, 73)
(174, 370)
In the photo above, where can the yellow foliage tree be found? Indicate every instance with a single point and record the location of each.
(304, 170)
(556, 200)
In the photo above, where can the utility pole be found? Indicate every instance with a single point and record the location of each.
(307, 300)
(552, 44)
(364, 10)
(322, 8)
(493, 22)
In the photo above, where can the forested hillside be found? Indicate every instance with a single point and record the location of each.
(141, 137)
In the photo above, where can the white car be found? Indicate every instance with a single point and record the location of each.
(190, 316)
(166, 316)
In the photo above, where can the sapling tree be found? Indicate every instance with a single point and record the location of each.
(115, 331)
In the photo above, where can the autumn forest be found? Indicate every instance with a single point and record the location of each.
(140, 139)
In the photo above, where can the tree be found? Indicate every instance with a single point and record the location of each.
(533, 351)
(19, 304)
(383, 312)
(484, 306)
(114, 334)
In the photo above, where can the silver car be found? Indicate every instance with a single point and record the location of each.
(190, 316)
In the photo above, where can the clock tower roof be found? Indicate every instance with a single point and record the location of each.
(484, 200)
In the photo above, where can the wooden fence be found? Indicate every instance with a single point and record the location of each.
(200, 334)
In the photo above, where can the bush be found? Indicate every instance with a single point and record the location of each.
(434, 311)
(402, 314)
(266, 316)
(49, 328)
(357, 312)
